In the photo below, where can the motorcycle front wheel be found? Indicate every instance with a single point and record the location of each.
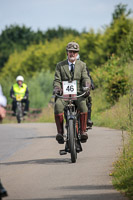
(72, 140)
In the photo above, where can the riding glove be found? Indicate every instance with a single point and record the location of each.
(58, 91)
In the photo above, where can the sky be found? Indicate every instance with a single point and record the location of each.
(46, 14)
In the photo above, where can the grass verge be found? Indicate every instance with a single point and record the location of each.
(123, 170)
(120, 117)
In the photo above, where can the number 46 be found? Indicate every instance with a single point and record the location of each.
(70, 88)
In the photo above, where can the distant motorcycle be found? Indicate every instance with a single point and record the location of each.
(19, 108)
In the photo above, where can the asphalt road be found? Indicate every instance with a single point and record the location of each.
(32, 169)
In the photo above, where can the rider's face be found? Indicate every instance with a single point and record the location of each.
(19, 83)
(72, 55)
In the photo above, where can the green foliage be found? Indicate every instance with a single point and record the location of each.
(40, 89)
(6, 86)
(116, 82)
(60, 33)
(106, 115)
(113, 79)
(36, 58)
(16, 38)
(114, 36)
(116, 87)
(123, 168)
(92, 52)
(123, 173)
(127, 46)
(121, 10)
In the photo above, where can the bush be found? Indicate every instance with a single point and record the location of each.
(112, 78)
(116, 87)
(40, 89)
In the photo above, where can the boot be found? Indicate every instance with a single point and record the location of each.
(83, 121)
(59, 124)
(89, 122)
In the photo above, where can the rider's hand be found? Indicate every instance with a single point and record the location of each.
(58, 91)
(24, 98)
(87, 91)
(92, 86)
(2, 112)
(13, 97)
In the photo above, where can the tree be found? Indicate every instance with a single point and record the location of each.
(60, 33)
(117, 31)
(121, 11)
(92, 49)
(17, 38)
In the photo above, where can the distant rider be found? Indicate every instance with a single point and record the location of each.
(20, 88)
(68, 70)
(3, 103)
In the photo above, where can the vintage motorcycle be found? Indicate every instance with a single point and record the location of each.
(72, 137)
(19, 108)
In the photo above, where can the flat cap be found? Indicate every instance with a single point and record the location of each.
(72, 46)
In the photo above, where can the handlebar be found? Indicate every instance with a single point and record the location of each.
(18, 99)
(70, 97)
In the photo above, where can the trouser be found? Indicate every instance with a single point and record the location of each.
(80, 104)
(59, 110)
(25, 101)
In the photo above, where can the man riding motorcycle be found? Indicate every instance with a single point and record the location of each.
(20, 88)
(69, 70)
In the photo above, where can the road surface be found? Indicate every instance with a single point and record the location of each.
(32, 169)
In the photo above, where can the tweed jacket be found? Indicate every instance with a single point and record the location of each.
(62, 73)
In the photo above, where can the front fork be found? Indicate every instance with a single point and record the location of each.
(73, 116)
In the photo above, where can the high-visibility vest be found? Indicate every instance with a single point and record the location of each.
(19, 90)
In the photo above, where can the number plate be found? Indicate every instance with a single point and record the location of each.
(19, 97)
(69, 88)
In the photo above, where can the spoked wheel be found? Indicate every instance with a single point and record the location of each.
(18, 118)
(72, 141)
(19, 113)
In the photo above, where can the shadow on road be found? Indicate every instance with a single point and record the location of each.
(47, 161)
(87, 187)
(38, 137)
(98, 196)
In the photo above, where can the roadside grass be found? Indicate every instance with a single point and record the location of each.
(34, 116)
(123, 170)
(119, 116)
(47, 114)
(112, 117)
